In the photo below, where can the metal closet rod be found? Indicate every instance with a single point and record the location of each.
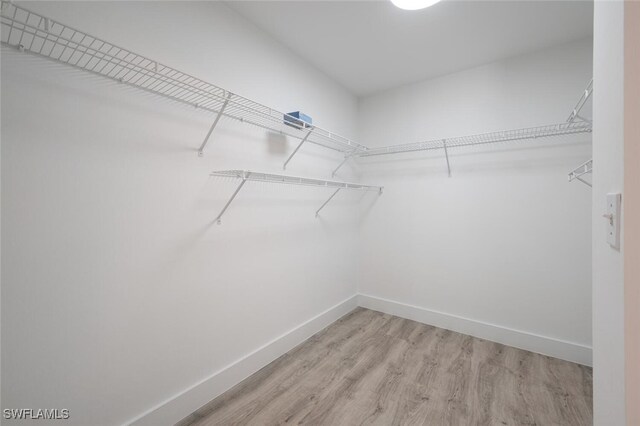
(31, 32)
(248, 175)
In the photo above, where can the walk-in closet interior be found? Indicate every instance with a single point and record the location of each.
(389, 212)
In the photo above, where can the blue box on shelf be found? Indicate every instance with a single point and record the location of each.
(298, 120)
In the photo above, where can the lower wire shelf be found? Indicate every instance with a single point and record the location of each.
(248, 175)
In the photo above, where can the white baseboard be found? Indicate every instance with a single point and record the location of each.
(186, 402)
(556, 348)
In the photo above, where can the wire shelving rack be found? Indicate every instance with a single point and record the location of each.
(575, 124)
(483, 138)
(41, 36)
(250, 176)
(33, 33)
(522, 134)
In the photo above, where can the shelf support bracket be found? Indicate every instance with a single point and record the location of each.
(213, 126)
(327, 202)
(575, 113)
(333, 173)
(582, 169)
(226, 206)
(284, 167)
(584, 181)
(446, 155)
(581, 118)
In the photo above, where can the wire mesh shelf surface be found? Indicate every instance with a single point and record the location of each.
(292, 180)
(484, 138)
(247, 175)
(31, 32)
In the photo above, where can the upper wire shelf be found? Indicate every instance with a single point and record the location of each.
(484, 138)
(36, 34)
(528, 133)
(575, 124)
(248, 175)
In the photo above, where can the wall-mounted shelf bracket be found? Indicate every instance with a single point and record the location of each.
(215, 123)
(327, 202)
(233, 196)
(295, 151)
(346, 158)
(246, 175)
(446, 155)
(575, 113)
(579, 172)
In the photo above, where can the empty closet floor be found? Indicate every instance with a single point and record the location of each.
(373, 368)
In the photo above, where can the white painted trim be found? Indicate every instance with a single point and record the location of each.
(189, 400)
(556, 348)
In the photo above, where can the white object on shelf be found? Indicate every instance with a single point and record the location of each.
(248, 175)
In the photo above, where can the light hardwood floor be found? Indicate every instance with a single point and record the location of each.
(373, 368)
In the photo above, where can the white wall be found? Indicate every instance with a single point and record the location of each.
(502, 249)
(608, 159)
(118, 291)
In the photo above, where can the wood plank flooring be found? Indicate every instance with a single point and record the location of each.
(370, 368)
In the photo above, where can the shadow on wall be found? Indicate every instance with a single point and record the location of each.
(276, 143)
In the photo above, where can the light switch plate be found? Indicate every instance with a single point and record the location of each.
(613, 219)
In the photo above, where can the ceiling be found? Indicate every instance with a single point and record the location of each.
(371, 46)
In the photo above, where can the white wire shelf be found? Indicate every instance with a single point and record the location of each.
(575, 124)
(248, 175)
(483, 138)
(581, 171)
(529, 133)
(39, 35)
(33, 33)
